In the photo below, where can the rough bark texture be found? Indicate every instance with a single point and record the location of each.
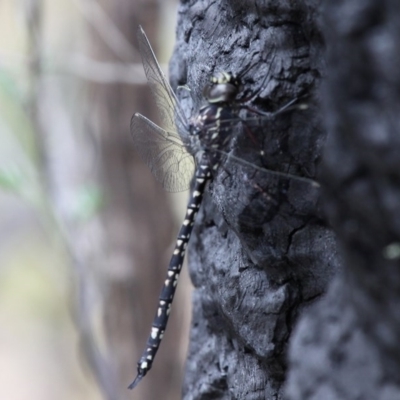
(347, 346)
(261, 252)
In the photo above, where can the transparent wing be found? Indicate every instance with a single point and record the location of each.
(164, 153)
(269, 170)
(266, 209)
(166, 100)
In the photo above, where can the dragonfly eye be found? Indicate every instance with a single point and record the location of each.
(220, 93)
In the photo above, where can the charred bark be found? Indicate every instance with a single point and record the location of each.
(347, 345)
(262, 251)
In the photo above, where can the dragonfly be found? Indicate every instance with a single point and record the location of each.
(184, 151)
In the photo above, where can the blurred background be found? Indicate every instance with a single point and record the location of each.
(86, 232)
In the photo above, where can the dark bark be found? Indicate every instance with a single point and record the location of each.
(261, 251)
(347, 345)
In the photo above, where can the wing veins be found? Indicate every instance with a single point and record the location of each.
(161, 89)
(164, 152)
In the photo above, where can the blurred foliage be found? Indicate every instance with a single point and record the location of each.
(11, 179)
(89, 201)
(44, 44)
(38, 339)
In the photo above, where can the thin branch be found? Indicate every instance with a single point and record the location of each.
(35, 100)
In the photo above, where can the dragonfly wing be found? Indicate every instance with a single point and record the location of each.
(164, 153)
(166, 100)
(268, 192)
(265, 208)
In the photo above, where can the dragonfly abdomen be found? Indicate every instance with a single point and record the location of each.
(203, 174)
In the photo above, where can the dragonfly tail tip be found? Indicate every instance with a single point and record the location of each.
(138, 378)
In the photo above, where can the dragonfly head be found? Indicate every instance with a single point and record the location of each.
(223, 88)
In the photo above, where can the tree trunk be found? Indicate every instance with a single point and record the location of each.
(347, 347)
(262, 251)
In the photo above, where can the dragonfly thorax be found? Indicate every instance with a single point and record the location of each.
(211, 127)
